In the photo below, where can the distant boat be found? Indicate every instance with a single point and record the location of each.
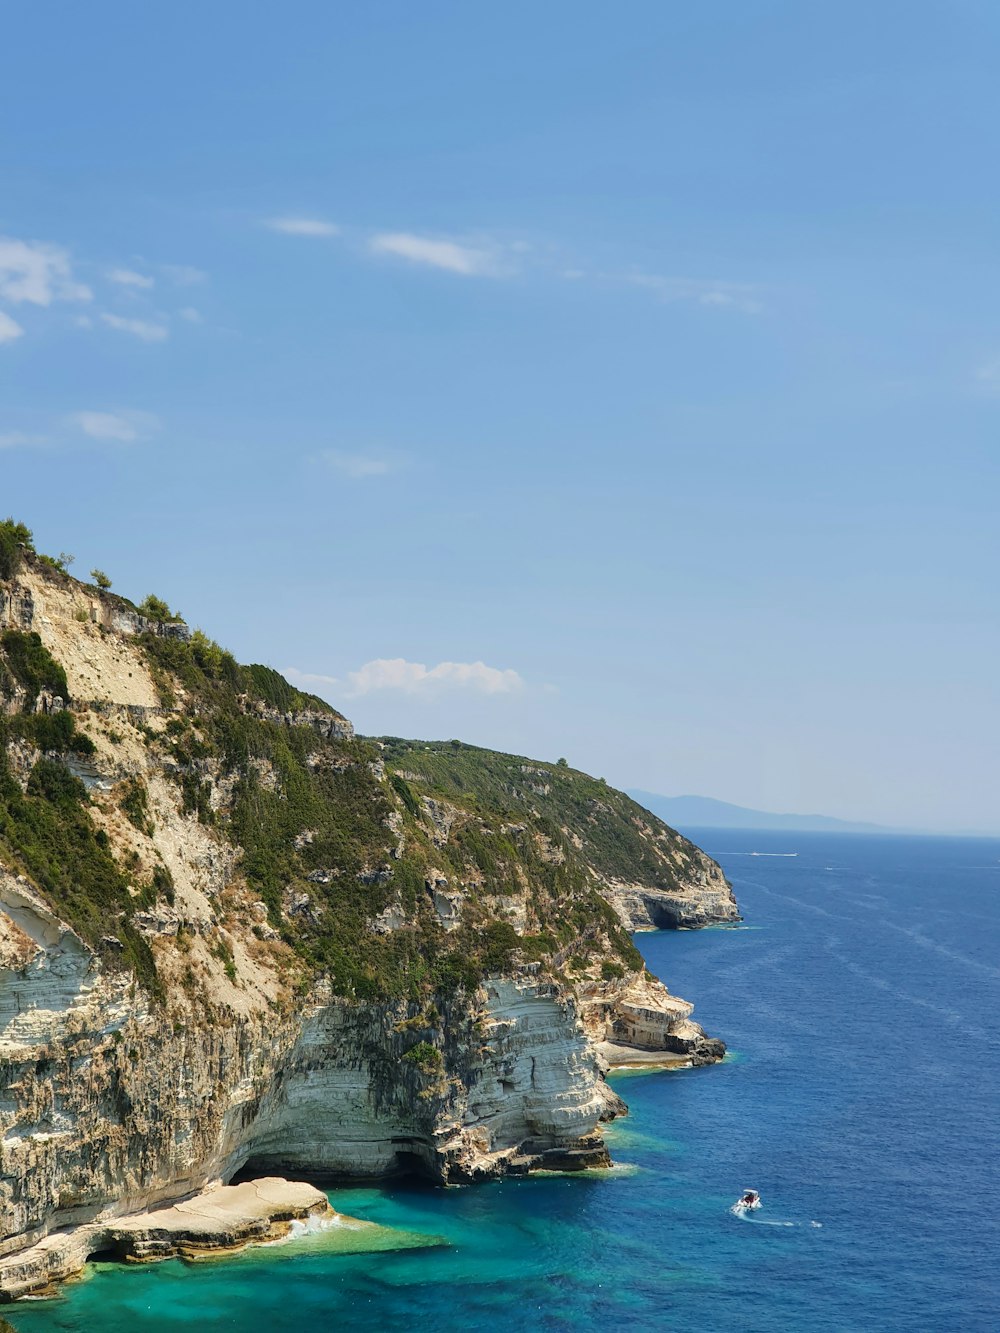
(748, 1202)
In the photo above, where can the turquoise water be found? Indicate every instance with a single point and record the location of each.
(860, 1005)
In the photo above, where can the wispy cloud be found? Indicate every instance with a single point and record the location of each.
(183, 275)
(19, 439)
(122, 426)
(357, 466)
(739, 296)
(143, 329)
(300, 226)
(128, 277)
(396, 673)
(486, 256)
(189, 313)
(9, 328)
(38, 273)
(453, 256)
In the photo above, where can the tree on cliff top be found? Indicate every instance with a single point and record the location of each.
(155, 608)
(15, 539)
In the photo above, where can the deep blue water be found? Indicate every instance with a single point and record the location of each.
(860, 1002)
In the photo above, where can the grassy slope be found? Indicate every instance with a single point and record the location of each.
(620, 840)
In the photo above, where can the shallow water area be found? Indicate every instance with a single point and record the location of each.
(863, 1075)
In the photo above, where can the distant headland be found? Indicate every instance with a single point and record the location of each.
(705, 812)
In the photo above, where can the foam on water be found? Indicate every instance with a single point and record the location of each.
(779, 855)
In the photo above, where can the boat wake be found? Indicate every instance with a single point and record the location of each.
(777, 854)
(749, 1215)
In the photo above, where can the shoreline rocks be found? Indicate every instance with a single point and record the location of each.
(220, 1220)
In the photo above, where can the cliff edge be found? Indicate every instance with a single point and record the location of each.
(236, 937)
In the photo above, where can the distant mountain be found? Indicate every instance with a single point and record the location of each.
(682, 812)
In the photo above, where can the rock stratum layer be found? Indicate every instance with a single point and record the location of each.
(235, 937)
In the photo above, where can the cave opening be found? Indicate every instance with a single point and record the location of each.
(107, 1255)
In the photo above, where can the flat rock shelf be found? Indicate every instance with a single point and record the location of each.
(220, 1219)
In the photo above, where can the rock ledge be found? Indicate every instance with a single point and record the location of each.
(222, 1218)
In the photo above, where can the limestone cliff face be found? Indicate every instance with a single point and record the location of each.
(110, 1108)
(234, 937)
(704, 898)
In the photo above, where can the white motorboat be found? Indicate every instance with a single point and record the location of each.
(748, 1202)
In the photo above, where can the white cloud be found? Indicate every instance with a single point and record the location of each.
(183, 275)
(297, 226)
(143, 329)
(127, 277)
(470, 261)
(9, 328)
(309, 677)
(17, 439)
(123, 427)
(740, 296)
(356, 466)
(189, 313)
(397, 673)
(38, 273)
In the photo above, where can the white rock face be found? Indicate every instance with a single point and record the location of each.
(518, 1077)
(46, 971)
(109, 1108)
(704, 898)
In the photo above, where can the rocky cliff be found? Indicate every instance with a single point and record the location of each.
(236, 937)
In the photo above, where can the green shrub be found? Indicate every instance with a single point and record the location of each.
(270, 687)
(427, 1058)
(47, 831)
(134, 804)
(154, 608)
(163, 883)
(402, 790)
(31, 663)
(55, 783)
(60, 562)
(53, 732)
(208, 656)
(101, 579)
(15, 540)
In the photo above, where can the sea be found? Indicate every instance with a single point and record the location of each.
(860, 1000)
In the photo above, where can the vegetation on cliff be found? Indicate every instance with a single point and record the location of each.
(616, 837)
(396, 869)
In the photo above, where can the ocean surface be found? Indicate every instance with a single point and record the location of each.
(860, 1001)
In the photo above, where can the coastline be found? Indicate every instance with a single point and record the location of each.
(223, 1219)
(617, 1055)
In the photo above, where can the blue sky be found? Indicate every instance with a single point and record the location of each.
(616, 382)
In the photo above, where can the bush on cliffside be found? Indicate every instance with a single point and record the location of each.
(32, 665)
(155, 608)
(15, 540)
(47, 830)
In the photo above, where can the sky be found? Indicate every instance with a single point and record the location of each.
(619, 383)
